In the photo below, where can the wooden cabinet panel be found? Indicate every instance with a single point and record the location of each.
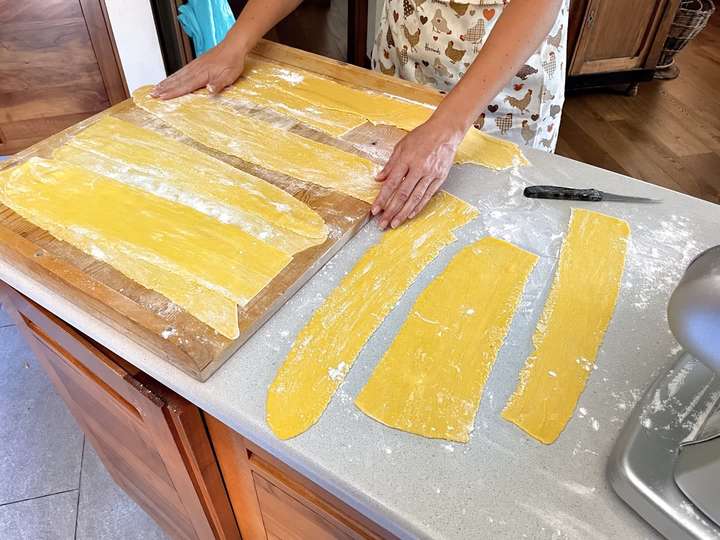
(272, 501)
(287, 518)
(616, 35)
(153, 443)
(58, 65)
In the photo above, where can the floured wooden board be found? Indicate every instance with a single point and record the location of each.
(147, 317)
(209, 121)
(190, 257)
(327, 346)
(174, 171)
(431, 379)
(572, 326)
(336, 108)
(144, 315)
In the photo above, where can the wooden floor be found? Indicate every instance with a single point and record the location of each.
(669, 134)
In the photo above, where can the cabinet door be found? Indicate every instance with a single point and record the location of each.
(617, 35)
(57, 66)
(273, 502)
(152, 442)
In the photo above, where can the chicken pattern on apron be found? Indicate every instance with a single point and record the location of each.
(433, 42)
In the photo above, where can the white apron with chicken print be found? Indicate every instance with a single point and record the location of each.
(433, 42)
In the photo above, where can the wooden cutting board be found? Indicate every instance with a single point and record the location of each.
(147, 317)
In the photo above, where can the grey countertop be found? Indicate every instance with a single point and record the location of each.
(501, 484)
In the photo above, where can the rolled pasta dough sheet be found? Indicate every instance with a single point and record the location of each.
(181, 253)
(209, 121)
(177, 172)
(431, 379)
(335, 108)
(325, 349)
(572, 326)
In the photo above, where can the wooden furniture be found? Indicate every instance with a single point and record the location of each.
(58, 65)
(667, 135)
(151, 440)
(614, 42)
(156, 447)
(273, 501)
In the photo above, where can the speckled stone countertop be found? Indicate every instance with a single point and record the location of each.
(502, 484)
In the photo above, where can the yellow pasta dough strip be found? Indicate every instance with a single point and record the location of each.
(572, 326)
(102, 215)
(206, 120)
(335, 108)
(177, 172)
(271, 86)
(431, 379)
(209, 307)
(326, 347)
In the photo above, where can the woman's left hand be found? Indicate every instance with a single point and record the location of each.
(416, 169)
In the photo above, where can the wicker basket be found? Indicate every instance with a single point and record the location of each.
(690, 19)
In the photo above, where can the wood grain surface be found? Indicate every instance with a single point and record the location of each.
(58, 65)
(669, 134)
(144, 315)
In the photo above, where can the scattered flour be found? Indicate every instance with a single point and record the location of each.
(337, 373)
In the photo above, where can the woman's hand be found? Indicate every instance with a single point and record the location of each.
(416, 169)
(216, 69)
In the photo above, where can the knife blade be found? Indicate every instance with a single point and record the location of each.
(574, 194)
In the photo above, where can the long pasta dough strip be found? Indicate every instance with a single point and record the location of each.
(208, 121)
(572, 326)
(431, 379)
(326, 347)
(101, 216)
(269, 85)
(336, 108)
(177, 172)
(209, 307)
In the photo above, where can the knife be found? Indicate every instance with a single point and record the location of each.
(573, 194)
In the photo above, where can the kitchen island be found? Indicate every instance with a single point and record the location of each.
(502, 484)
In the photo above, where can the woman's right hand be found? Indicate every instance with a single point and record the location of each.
(216, 69)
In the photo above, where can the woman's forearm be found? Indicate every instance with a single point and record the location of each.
(224, 63)
(256, 20)
(517, 33)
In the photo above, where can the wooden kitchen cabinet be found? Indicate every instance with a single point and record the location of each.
(196, 477)
(272, 501)
(152, 441)
(616, 41)
(58, 65)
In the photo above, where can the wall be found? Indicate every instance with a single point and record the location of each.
(136, 38)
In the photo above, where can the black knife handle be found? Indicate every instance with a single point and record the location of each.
(557, 192)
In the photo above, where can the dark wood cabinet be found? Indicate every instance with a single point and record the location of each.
(58, 65)
(152, 441)
(615, 41)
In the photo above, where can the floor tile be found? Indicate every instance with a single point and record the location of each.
(4, 317)
(45, 518)
(105, 510)
(40, 444)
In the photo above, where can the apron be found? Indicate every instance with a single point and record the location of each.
(433, 42)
